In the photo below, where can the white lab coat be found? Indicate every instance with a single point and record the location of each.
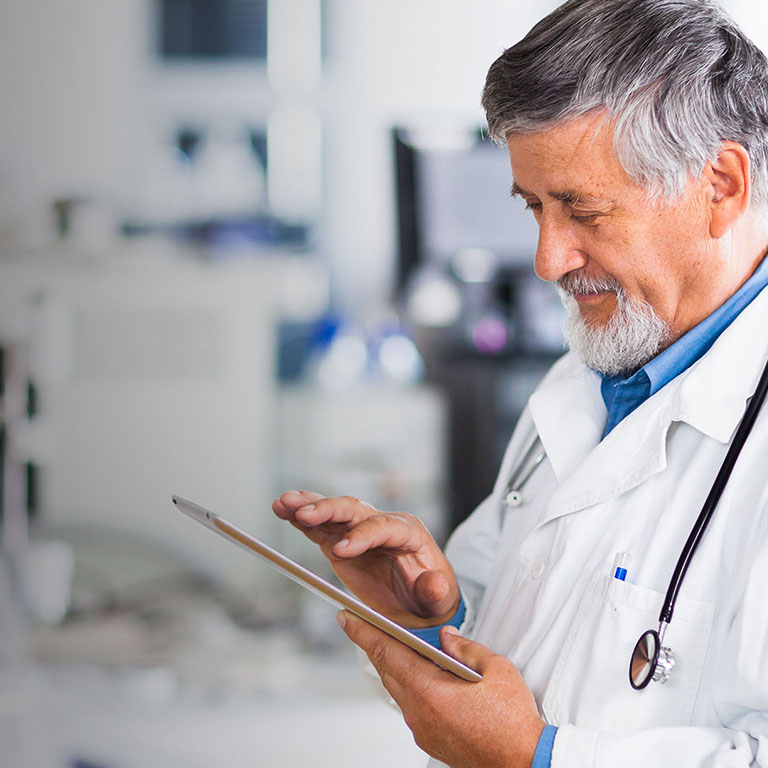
(541, 574)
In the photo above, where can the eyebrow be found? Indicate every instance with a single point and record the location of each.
(567, 196)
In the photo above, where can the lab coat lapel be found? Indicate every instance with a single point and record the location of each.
(570, 416)
(713, 394)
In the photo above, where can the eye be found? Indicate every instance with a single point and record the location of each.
(535, 207)
(589, 218)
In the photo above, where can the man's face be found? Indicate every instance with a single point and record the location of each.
(598, 232)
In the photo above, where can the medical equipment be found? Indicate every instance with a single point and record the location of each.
(650, 659)
(513, 490)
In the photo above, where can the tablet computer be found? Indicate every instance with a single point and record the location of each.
(323, 588)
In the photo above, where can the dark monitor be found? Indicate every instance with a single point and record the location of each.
(213, 29)
(453, 194)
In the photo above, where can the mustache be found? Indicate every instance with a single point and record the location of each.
(577, 282)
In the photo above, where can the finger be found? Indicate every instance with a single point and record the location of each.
(467, 651)
(346, 510)
(397, 664)
(286, 504)
(387, 530)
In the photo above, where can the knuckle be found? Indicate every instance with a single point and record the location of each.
(408, 519)
(388, 682)
(378, 654)
(413, 721)
(424, 738)
(373, 523)
(495, 664)
(418, 687)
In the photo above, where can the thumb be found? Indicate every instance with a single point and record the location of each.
(463, 649)
(434, 594)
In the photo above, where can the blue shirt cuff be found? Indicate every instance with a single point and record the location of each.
(431, 635)
(542, 758)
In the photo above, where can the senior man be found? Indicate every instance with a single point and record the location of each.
(638, 136)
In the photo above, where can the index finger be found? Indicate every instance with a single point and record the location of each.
(285, 505)
(340, 509)
(400, 668)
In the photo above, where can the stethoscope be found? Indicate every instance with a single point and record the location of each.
(651, 660)
(525, 467)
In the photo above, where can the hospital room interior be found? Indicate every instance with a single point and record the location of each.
(246, 246)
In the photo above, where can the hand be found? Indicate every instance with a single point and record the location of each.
(388, 559)
(490, 724)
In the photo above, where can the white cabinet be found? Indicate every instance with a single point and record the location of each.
(385, 444)
(165, 383)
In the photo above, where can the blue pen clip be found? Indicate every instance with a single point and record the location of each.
(620, 566)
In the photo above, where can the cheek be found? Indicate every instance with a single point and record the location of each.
(616, 252)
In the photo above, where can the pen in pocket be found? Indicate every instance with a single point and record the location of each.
(620, 566)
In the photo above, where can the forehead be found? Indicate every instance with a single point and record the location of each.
(576, 157)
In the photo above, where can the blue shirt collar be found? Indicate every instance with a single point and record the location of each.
(623, 394)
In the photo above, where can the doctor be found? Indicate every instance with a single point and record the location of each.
(638, 137)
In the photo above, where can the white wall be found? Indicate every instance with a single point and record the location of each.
(72, 115)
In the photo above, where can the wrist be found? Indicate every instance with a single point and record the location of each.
(531, 738)
(431, 634)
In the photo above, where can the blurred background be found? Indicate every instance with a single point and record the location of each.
(245, 246)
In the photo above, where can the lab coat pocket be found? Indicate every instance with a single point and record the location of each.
(589, 685)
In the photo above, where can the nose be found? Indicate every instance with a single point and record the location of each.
(557, 252)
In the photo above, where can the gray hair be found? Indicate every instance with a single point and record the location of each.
(676, 77)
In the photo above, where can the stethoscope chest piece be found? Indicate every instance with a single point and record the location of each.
(513, 491)
(650, 661)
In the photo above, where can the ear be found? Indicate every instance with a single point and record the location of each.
(728, 185)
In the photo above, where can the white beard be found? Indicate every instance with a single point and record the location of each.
(633, 335)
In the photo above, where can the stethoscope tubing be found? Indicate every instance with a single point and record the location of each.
(519, 476)
(702, 521)
(523, 470)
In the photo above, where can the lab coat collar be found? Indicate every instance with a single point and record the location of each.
(710, 397)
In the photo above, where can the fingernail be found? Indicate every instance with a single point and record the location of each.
(451, 630)
(341, 617)
(342, 544)
(308, 508)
